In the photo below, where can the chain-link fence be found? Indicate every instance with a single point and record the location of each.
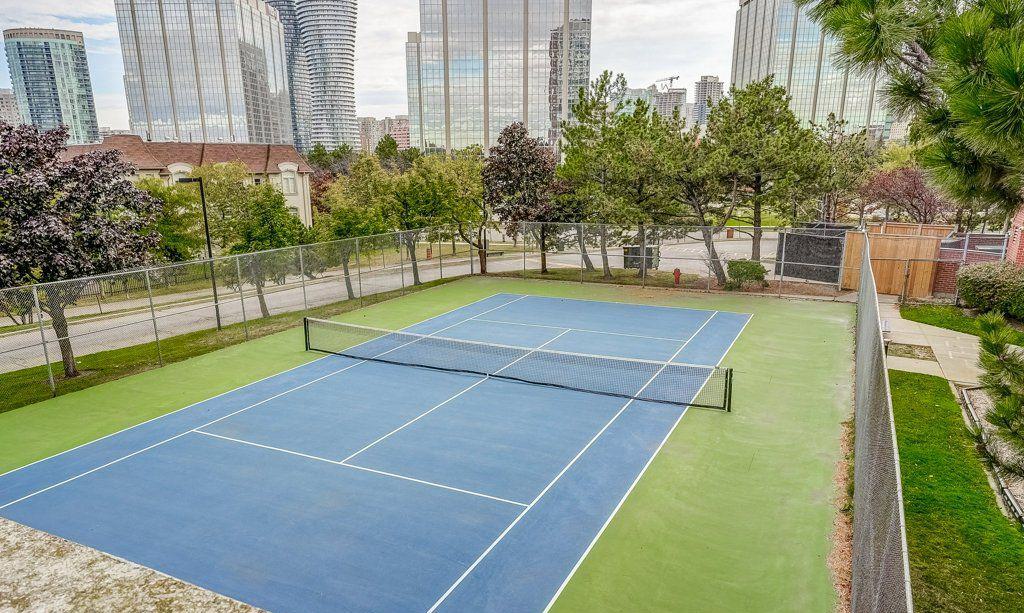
(881, 573)
(67, 335)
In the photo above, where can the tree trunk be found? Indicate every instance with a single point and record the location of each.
(481, 250)
(642, 236)
(606, 269)
(543, 249)
(587, 264)
(60, 328)
(716, 262)
(345, 257)
(410, 248)
(257, 280)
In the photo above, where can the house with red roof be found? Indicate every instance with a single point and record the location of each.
(281, 165)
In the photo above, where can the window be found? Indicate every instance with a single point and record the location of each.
(288, 183)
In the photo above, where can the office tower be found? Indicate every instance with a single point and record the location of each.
(707, 93)
(327, 33)
(9, 107)
(205, 70)
(298, 75)
(775, 37)
(50, 79)
(477, 66)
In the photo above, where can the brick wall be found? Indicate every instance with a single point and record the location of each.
(952, 257)
(1015, 245)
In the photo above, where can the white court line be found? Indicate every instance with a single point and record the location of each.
(167, 440)
(636, 304)
(516, 323)
(355, 467)
(432, 409)
(243, 386)
(632, 486)
(551, 484)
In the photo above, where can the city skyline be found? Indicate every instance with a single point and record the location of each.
(380, 78)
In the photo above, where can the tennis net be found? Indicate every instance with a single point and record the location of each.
(664, 382)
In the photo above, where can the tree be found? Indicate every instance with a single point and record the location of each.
(461, 202)
(848, 158)
(769, 159)
(355, 208)
(518, 177)
(335, 162)
(179, 222)
(906, 190)
(417, 201)
(66, 219)
(955, 67)
(265, 223)
(587, 158)
(698, 183)
(1003, 379)
(226, 187)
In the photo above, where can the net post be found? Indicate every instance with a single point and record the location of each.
(728, 390)
(305, 331)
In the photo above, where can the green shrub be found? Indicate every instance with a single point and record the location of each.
(993, 286)
(745, 271)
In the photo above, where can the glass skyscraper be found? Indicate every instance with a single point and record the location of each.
(298, 74)
(205, 70)
(477, 66)
(776, 37)
(50, 78)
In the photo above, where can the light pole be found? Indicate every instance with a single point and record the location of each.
(209, 243)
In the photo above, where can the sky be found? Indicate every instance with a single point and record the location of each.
(645, 40)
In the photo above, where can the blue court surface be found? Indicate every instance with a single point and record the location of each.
(351, 485)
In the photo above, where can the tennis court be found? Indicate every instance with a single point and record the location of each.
(408, 471)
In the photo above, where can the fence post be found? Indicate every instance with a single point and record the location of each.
(359, 272)
(152, 315)
(643, 256)
(782, 267)
(241, 295)
(440, 257)
(401, 257)
(711, 270)
(842, 262)
(302, 279)
(906, 280)
(42, 336)
(522, 232)
(469, 245)
(580, 228)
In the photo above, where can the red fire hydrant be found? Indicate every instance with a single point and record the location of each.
(676, 274)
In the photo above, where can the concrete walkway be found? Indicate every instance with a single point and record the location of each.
(956, 352)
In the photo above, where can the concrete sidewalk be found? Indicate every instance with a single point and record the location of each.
(956, 352)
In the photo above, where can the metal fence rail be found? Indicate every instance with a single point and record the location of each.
(881, 571)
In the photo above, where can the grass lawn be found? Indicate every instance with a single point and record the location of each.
(735, 513)
(965, 555)
(946, 316)
(29, 385)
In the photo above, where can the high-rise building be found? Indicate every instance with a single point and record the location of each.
(50, 79)
(9, 112)
(670, 101)
(370, 132)
(707, 93)
(205, 70)
(477, 66)
(398, 128)
(327, 33)
(776, 37)
(298, 75)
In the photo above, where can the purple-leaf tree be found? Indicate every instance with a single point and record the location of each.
(520, 186)
(62, 219)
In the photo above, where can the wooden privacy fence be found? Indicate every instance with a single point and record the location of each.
(902, 264)
(899, 228)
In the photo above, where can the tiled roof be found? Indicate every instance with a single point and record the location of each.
(146, 155)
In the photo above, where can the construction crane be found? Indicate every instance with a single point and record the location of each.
(670, 80)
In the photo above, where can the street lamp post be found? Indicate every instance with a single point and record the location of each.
(209, 244)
